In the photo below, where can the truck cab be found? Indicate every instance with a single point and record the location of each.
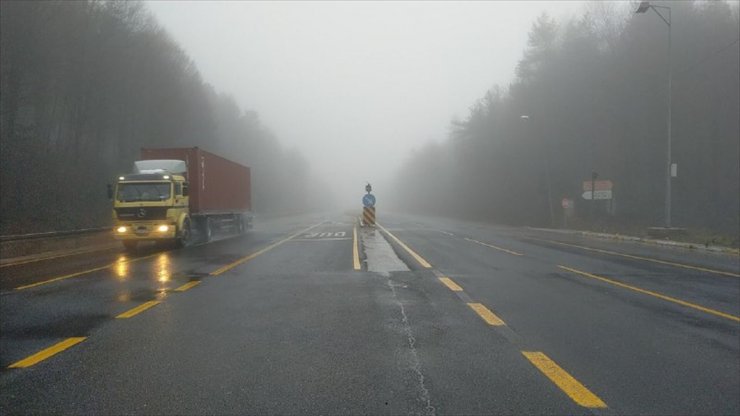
(152, 204)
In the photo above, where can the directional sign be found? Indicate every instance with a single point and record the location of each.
(368, 200)
(598, 195)
(602, 185)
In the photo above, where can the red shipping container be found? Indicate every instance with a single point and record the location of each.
(217, 185)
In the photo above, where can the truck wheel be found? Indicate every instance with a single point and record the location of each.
(130, 245)
(184, 239)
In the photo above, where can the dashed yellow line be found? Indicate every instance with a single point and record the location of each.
(655, 294)
(413, 254)
(245, 259)
(46, 353)
(139, 309)
(68, 276)
(495, 247)
(630, 256)
(451, 284)
(572, 387)
(187, 286)
(355, 251)
(486, 314)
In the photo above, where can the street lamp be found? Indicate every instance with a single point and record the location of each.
(528, 118)
(643, 8)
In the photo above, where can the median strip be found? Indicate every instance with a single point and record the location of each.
(355, 250)
(48, 352)
(413, 254)
(139, 309)
(486, 314)
(572, 387)
(655, 294)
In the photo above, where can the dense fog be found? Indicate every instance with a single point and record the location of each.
(565, 90)
(590, 96)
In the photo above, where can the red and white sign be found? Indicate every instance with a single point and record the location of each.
(603, 185)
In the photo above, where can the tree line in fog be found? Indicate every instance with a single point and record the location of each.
(85, 85)
(594, 89)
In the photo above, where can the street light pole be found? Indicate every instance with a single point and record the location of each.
(528, 119)
(644, 7)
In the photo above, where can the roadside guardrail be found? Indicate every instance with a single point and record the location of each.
(51, 234)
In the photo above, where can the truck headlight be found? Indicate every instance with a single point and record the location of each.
(121, 229)
(163, 228)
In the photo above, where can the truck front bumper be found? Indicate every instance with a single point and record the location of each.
(145, 231)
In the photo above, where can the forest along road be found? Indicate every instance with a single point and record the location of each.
(313, 314)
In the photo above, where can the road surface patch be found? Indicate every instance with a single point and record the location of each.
(486, 314)
(569, 385)
(655, 294)
(48, 352)
(247, 258)
(187, 286)
(139, 309)
(630, 256)
(450, 284)
(495, 247)
(413, 254)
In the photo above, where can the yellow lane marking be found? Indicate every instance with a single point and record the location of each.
(245, 259)
(139, 309)
(486, 314)
(413, 254)
(494, 247)
(572, 387)
(655, 294)
(355, 250)
(187, 286)
(67, 276)
(57, 256)
(450, 284)
(630, 256)
(46, 353)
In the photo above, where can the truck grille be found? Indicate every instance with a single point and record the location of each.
(141, 213)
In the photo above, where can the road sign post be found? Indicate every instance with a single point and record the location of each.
(368, 206)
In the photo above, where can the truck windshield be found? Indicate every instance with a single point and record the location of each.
(130, 192)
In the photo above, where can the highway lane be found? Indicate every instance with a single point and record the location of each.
(644, 354)
(279, 321)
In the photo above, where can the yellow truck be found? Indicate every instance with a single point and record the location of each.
(176, 194)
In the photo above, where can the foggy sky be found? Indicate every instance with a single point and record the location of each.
(355, 86)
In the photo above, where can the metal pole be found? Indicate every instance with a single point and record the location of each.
(668, 155)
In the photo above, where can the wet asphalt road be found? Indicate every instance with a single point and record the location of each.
(281, 323)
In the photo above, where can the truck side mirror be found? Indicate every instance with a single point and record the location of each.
(110, 191)
(185, 189)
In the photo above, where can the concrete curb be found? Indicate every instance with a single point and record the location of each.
(666, 243)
